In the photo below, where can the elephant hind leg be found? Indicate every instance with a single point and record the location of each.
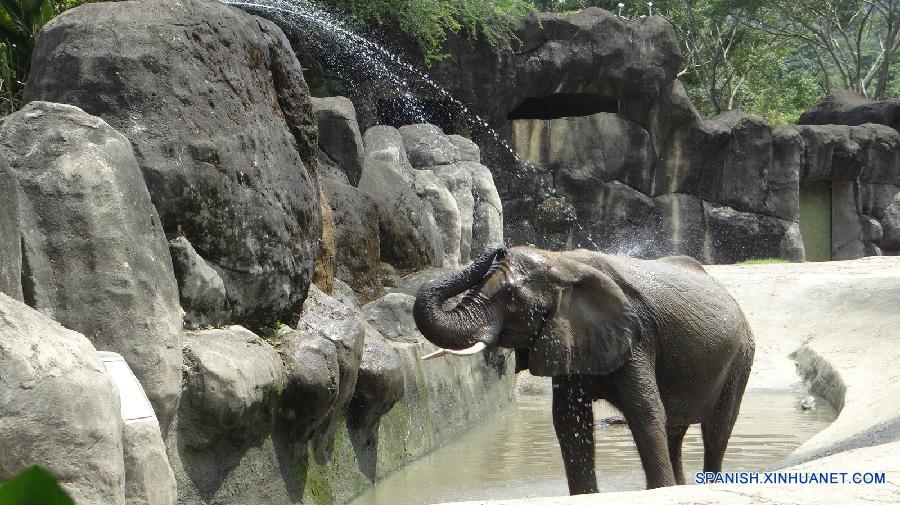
(676, 437)
(717, 425)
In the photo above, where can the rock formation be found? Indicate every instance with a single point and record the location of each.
(94, 257)
(58, 408)
(590, 101)
(222, 127)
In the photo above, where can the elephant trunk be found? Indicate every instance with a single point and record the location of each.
(463, 326)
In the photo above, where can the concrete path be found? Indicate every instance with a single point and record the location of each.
(840, 323)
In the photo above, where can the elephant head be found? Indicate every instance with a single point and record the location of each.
(561, 315)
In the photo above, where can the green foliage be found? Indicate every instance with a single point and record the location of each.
(774, 58)
(34, 486)
(20, 23)
(427, 22)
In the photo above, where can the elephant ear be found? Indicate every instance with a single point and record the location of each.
(590, 329)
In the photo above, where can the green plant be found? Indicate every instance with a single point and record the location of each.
(33, 486)
(427, 22)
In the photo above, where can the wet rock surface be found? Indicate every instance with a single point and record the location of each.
(214, 102)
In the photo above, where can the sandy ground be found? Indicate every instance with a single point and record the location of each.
(838, 324)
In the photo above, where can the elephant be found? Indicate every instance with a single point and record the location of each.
(660, 340)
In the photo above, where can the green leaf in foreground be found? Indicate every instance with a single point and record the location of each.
(34, 486)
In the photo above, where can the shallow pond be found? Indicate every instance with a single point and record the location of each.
(515, 454)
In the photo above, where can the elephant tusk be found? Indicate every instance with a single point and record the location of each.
(475, 349)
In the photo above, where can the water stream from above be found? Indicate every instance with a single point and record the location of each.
(515, 454)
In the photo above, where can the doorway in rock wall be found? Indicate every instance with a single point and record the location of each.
(815, 219)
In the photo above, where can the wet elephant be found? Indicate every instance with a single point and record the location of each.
(660, 340)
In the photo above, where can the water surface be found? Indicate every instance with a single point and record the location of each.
(516, 455)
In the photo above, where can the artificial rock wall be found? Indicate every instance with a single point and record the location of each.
(171, 209)
(617, 158)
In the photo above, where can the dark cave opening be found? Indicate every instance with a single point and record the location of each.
(559, 105)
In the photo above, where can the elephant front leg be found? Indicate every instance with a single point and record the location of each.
(573, 419)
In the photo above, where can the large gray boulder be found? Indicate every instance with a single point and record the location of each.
(392, 316)
(733, 236)
(890, 225)
(214, 102)
(867, 153)
(357, 239)
(95, 257)
(10, 248)
(408, 238)
(379, 385)
(849, 108)
(232, 381)
(148, 477)
(487, 220)
(201, 289)
(322, 356)
(339, 136)
(443, 212)
(457, 178)
(58, 407)
(427, 146)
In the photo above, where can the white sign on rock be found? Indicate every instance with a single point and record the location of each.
(134, 403)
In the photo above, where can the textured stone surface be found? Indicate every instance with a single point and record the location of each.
(732, 236)
(326, 256)
(232, 379)
(214, 102)
(408, 238)
(379, 386)
(891, 225)
(487, 220)
(322, 357)
(457, 178)
(444, 212)
(357, 239)
(148, 477)
(200, 288)
(848, 108)
(11, 246)
(95, 257)
(339, 136)
(427, 146)
(58, 408)
(588, 149)
(468, 150)
(392, 316)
